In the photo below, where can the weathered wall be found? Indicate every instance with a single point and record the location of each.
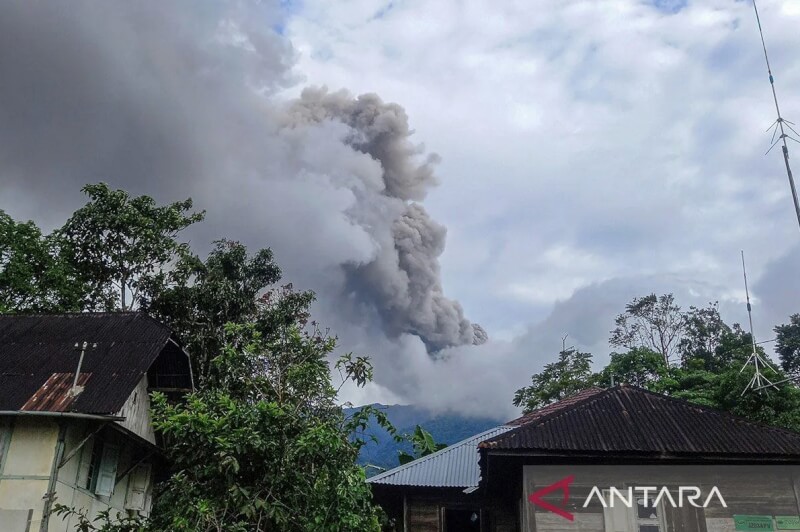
(26, 460)
(749, 490)
(71, 484)
(423, 513)
(25, 472)
(136, 412)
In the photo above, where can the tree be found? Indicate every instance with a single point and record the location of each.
(263, 445)
(788, 345)
(712, 370)
(116, 243)
(776, 406)
(651, 322)
(199, 299)
(567, 376)
(423, 445)
(33, 275)
(639, 367)
(703, 337)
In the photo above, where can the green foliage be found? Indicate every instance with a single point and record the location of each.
(117, 242)
(704, 336)
(103, 522)
(788, 344)
(199, 299)
(712, 370)
(263, 445)
(33, 275)
(639, 366)
(779, 406)
(651, 322)
(423, 445)
(567, 376)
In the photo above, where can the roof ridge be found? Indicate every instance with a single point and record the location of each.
(574, 398)
(440, 452)
(134, 314)
(711, 410)
(71, 314)
(552, 415)
(683, 403)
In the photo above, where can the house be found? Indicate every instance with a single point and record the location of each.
(75, 425)
(621, 459)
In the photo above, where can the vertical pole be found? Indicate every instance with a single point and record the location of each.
(780, 120)
(51, 485)
(80, 363)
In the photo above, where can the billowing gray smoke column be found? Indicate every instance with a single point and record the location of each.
(403, 279)
(177, 99)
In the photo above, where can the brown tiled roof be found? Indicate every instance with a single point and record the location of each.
(630, 420)
(38, 359)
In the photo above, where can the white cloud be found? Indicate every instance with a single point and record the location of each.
(581, 141)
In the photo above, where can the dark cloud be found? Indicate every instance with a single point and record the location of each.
(179, 99)
(776, 291)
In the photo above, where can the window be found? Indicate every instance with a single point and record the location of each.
(639, 518)
(99, 468)
(138, 482)
(5, 439)
(107, 471)
(647, 516)
(89, 464)
(462, 520)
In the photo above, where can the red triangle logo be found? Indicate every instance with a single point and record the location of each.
(563, 484)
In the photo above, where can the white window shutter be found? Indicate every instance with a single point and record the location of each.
(616, 519)
(136, 498)
(107, 475)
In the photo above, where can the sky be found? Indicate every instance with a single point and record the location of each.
(429, 166)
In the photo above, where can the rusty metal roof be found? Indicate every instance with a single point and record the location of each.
(38, 359)
(553, 407)
(455, 466)
(630, 420)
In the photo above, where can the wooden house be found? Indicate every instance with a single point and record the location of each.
(617, 460)
(75, 425)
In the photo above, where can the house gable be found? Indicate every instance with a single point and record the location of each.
(39, 355)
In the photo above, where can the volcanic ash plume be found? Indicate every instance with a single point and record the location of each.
(173, 100)
(403, 278)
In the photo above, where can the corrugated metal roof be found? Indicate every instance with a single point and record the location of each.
(627, 419)
(35, 347)
(553, 407)
(54, 395)
(455, 466)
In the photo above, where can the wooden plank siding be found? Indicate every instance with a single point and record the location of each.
(425, 514)
(757, 490)
(422, 515)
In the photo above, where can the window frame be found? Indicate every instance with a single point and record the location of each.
(99, 454)
(6, 433)
(107, 469)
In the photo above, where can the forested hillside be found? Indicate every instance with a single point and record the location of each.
(445, 428)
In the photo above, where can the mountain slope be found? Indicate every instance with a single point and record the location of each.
(445, 428)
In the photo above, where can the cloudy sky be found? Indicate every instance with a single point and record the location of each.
(544, 163)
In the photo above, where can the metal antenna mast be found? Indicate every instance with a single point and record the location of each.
(758, 381)
(779, 123)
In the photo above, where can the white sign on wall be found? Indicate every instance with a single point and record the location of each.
(719, 524)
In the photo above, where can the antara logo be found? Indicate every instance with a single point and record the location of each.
(648, 496)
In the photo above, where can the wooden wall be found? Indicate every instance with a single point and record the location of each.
(423, 512)
(749, 490)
